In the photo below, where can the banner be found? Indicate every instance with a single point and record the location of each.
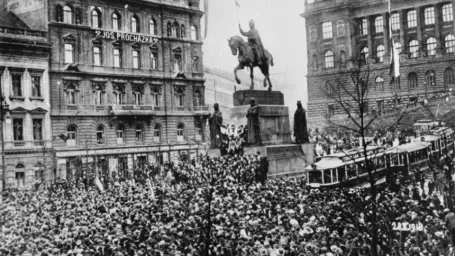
(98, 184)
(405, 226)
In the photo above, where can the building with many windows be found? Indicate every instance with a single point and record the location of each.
(126, 81)
(340, 30)
(24, 81)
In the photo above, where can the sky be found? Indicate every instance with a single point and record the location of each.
(282, 31)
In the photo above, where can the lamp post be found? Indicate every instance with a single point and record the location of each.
(3, 108)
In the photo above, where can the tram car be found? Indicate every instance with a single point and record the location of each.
(347, 168)
(422, 126)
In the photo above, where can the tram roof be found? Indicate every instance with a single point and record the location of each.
(427, 137)
(327, 163)
(409, 147)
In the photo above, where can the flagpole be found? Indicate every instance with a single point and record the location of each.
(237, 10)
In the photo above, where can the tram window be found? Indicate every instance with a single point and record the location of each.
(341, 174)
(327, 176)
(412, 157)
(352, 172)
(433, 145)
(380, 161)
(315, 177)
(362, 169)
(334, 175)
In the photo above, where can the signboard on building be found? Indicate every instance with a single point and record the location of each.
(125, 37)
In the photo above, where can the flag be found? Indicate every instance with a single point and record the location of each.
(394, 62)
(237, 4)
(98, 184)
(206, 12)
(63, 137)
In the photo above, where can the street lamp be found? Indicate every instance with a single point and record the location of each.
(4, 107)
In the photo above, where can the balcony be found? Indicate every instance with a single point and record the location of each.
(132, 110)
(202, 110)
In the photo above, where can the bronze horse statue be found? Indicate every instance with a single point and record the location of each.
(246, 59)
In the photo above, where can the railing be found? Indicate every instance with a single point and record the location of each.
(132, 110)
(22, 31)
(201, 108)
(82, 109)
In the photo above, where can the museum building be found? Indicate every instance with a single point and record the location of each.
(26, 124)
(338, 31)
(126, 81)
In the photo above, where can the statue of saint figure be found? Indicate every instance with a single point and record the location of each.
(300, 127)
(253, 128)
(254, 39)
(216, 121)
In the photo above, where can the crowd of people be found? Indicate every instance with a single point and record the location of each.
(223, 206)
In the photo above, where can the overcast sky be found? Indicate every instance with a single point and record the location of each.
(282, 31)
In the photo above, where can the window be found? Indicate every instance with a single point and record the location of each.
(120, 133)
(182, 31)
(364, 54)
(67, 14)
(429, 15)
(180, 97)
(71, 133)
(18, 129)
(329, 59)
(380, 106)
(195, 64)
(97, 56)
(36, 86)
(119, 92)
(412, 80)
(69, 53)
(193, 33)
(20, 175)
(169, 29)
(330, 110)
(198, 132)
(100, 134)
(135, 24)
(98, 95)
(395, 84)
(327, 30)
(78, 16)
(379, 24)
(431, 46)
(449, 78)
(116, 21)
(365, 107)
(154, 59)
(395, 21)
(413, 48)
(117, 58)
(96, 18)
(412, 19)
(398, 47)
(152, 27)
(37, 129)
(17, 85)
(180, 132)
(364, 27)
(175, 30)
(59, 13)
(380, 53)
(139, 133)
(137, 93)
(156, 97)
(71, 95)
(177, 62)
(379, 84)
(197, 98)
(449, 43)
(430, 79)
(447, 13)
(157, 133)
(135, 59)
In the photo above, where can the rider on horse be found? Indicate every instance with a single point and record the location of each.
(255, 42)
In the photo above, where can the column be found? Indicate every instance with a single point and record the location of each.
(402, 29)
(386, 38)
(370, 37)
(437, 29)
(419, 30)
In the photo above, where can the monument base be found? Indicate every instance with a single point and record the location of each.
(214, 152)
(284, 160)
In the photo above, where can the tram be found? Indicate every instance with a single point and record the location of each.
(347, 168)
(422, 126)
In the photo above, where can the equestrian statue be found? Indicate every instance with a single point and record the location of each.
(251, 54)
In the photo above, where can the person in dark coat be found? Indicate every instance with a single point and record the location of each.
(300, 125)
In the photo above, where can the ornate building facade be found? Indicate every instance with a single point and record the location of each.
(126, 82)
(24, 81)
(338, 31)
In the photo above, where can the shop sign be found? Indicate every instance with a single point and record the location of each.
(125, 37)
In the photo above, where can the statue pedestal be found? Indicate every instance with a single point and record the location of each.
(214, 152)
(285, 158)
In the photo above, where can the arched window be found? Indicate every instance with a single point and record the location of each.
(96, 18)
(169, 29)
(59, 13)
(431, 46)
(413, 48)
(67, 14)
(193, 33)
(156, 97)
(100, 134)
(152, 27)
(121, 134)
(449, 41)
(135, 25)
(71, 136)
(180, 132)
(175, 30)
(139, 133)
(116, 21)
(180, 100)
(449, 78)
(379, 84)
(329, 59)
(380, 53)
(364, 54)
(182, 31)
(20, 175)
(430, 79)
(157, 133)
(412, 81)
(98, 95)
